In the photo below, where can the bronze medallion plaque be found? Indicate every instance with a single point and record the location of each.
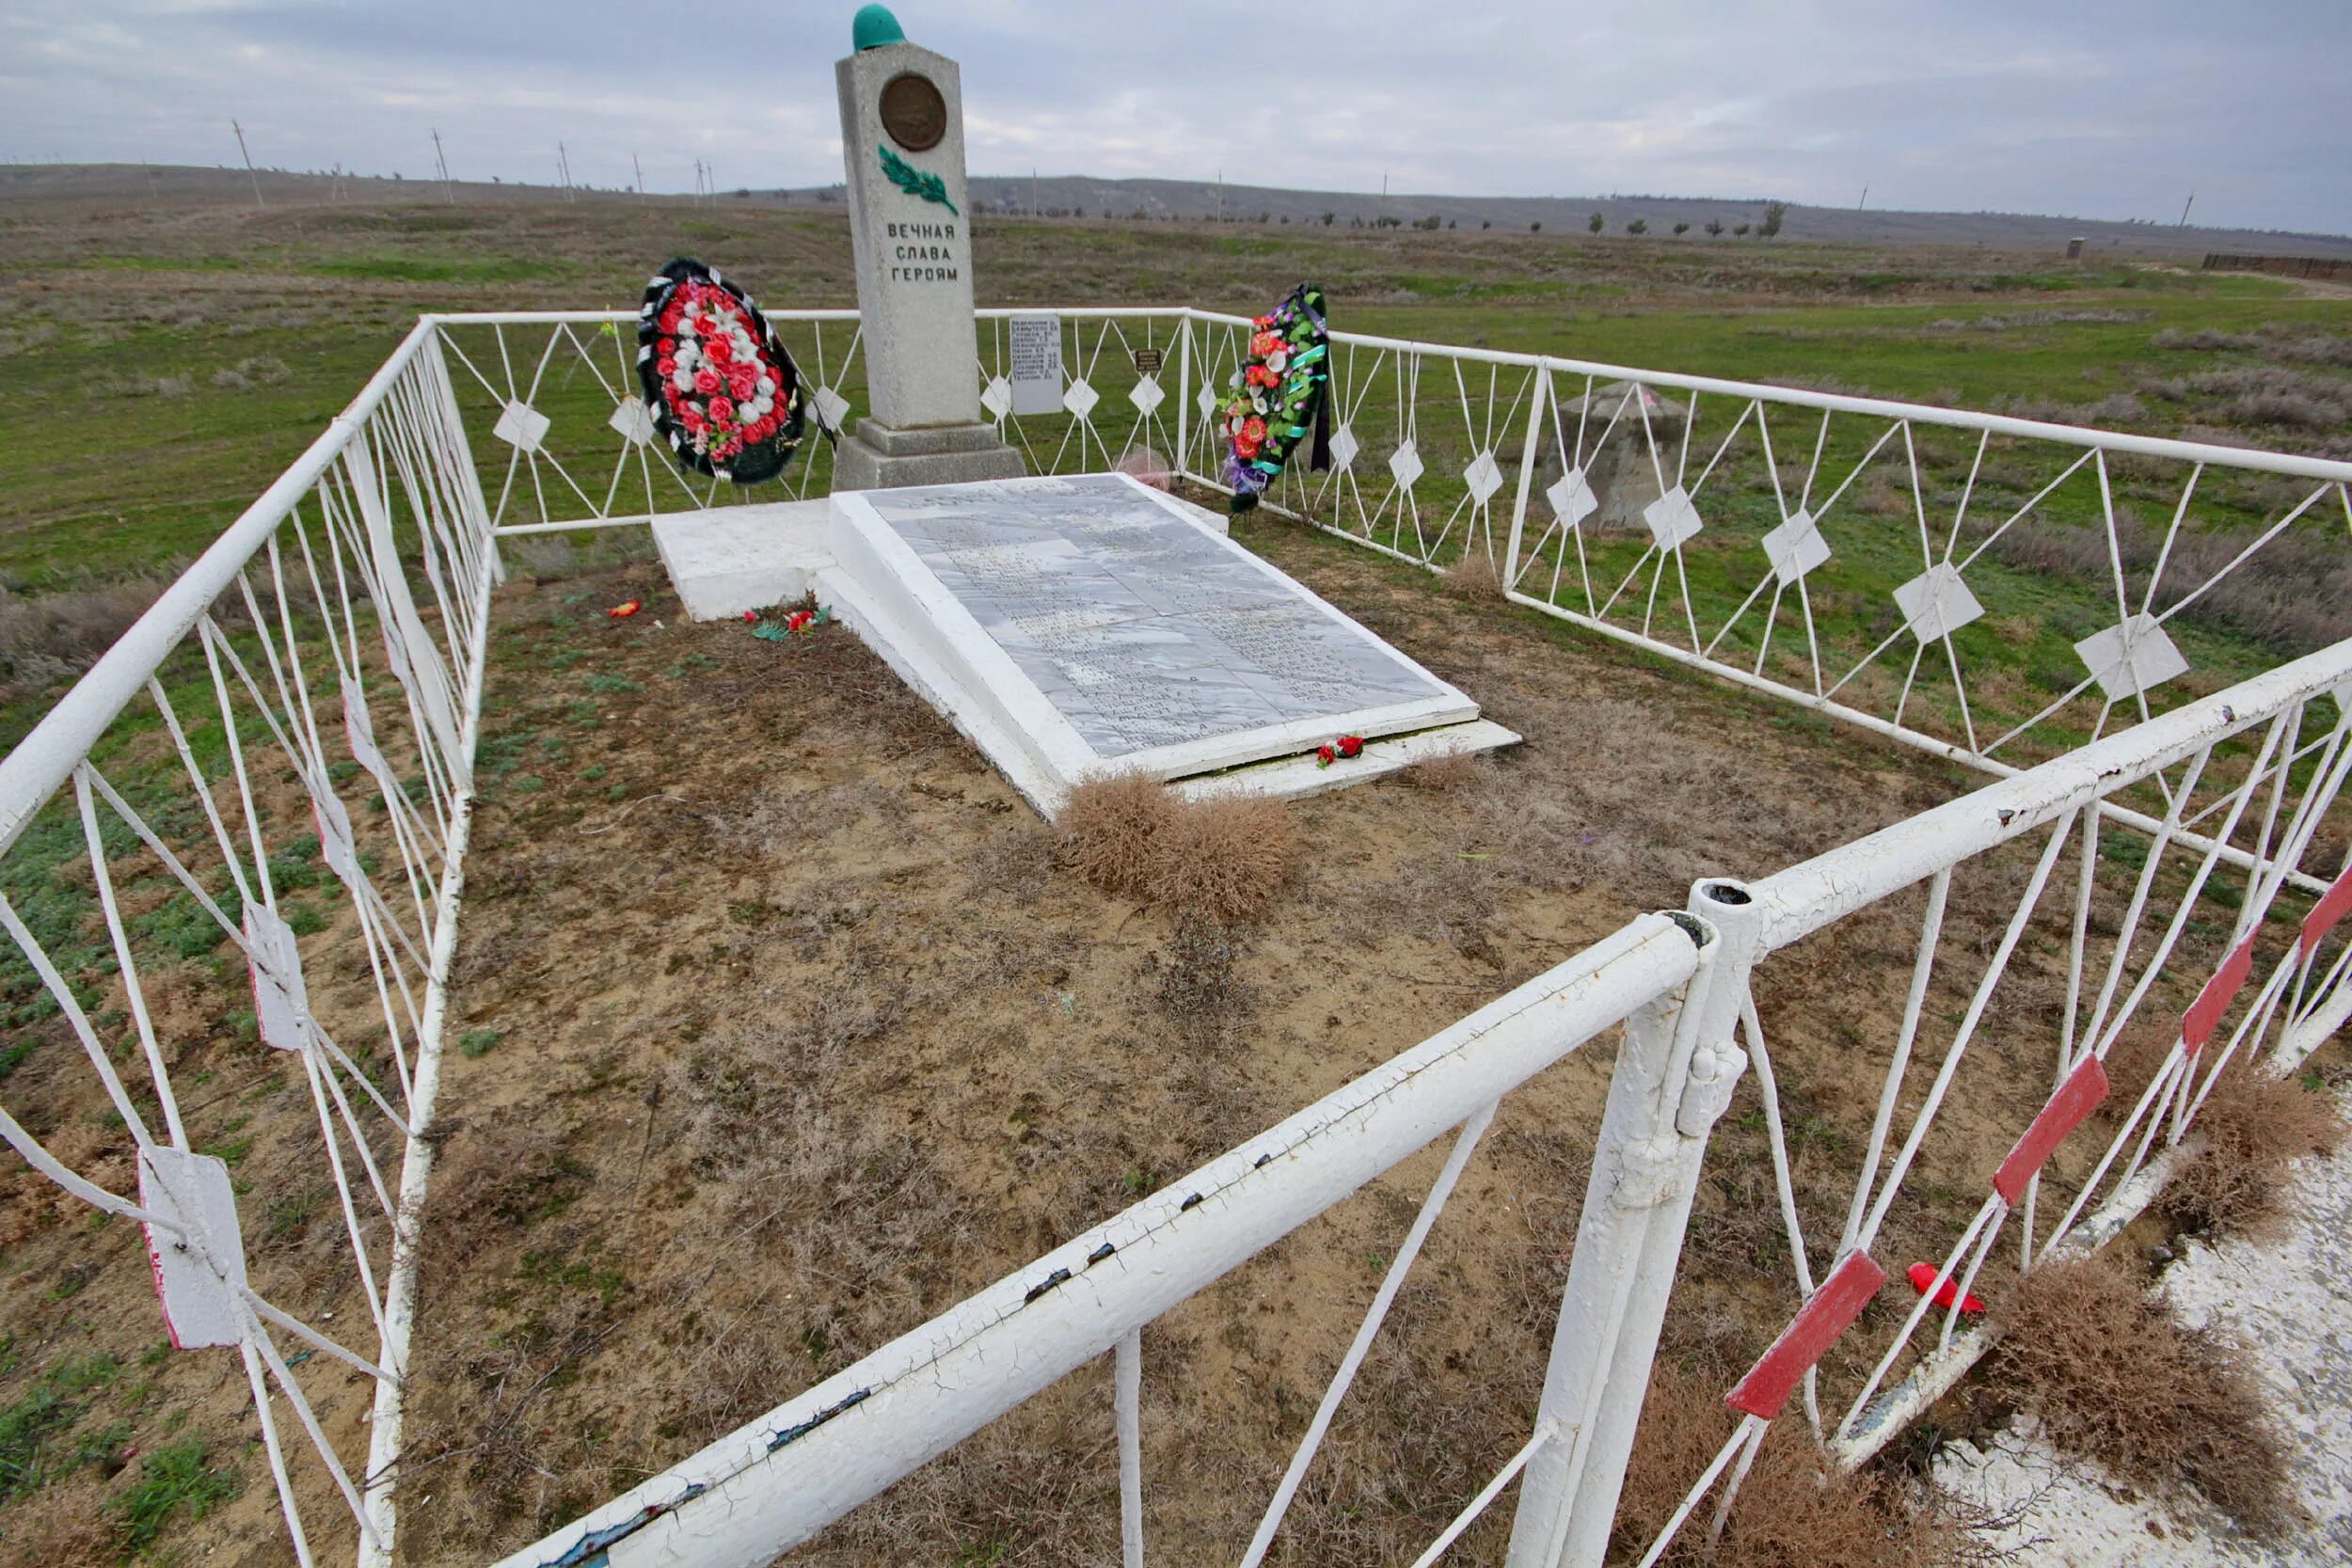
(912, 111)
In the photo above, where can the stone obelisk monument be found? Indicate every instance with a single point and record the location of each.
(902, 142)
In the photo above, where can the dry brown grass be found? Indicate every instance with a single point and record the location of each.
(1788, 1514)
(2115, 1378)
(1226, 858)
(1444, 775)
(66, 1523)
(2252, 1130)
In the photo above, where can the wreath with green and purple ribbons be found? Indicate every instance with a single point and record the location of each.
(1280, 396)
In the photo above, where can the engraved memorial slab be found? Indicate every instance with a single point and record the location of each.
(1080, 626)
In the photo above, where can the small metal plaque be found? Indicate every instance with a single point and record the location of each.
(1148, 361)
(913, 112)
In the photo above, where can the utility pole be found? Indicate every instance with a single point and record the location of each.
(641, 173)
(2186, 206)
(1866, 196)
(1033, 190)
(441, 163)
(564, 164)
(248, 164)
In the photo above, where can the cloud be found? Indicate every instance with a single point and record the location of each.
(2098, 109)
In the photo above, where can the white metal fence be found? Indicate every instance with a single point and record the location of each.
(299, 712)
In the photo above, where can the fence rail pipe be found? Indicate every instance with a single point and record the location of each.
(778, 1480)
(47, 757)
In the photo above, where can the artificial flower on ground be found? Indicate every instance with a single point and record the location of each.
(623, 612)
(1344, 747)
(1280, 396)
(726, 397)
(797, 622)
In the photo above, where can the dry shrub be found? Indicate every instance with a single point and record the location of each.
(2114, 1377)
(49, 639)
(1130, 835)
(2294, 594)
(1478, 577)
(1448, 775)
(1788, 1515)
(1226, 858)
(2251, 1129)
(1110, 831)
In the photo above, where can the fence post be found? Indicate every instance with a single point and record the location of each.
(1542, 375)
(1183, 395)
(1674, 1076)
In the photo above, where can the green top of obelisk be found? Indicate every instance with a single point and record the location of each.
(874, 27)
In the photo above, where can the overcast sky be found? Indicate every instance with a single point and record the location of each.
(2092, 108)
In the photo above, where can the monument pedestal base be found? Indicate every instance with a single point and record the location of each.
(881, 457)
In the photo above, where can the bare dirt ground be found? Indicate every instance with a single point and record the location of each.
(793, 1032)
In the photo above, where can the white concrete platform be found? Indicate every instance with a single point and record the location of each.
(1075, 627)
(738, 558)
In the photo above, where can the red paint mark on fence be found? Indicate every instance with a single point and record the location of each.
(2333, 906)
(1826, 1314)
(2075, 1099)
(2204, 1014)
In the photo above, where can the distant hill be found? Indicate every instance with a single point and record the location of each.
(1200, 201)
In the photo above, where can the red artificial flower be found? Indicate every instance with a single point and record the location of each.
(1264, 343)
(1351, 745)
(693, 422)
(1253, 429)
(1324, 756)
(1923, 1280)
(744, 385)
(751, 617)
(705, 381)
(721, 410)
(1262, 323)
(623, 612)
(719, 349)
(671, 318)
(667, 345)
(667, 365)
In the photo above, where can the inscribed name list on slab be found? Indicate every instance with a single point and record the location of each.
(1143, 628)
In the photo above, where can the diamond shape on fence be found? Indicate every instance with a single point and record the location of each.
(1572, 498)
(1672, 519)
(1080, 400)
(192, 1192)
(1484, 477)
(1796, 548)
(280, 1000)
(520, 425)
(1405, 463)
(2131, 657)
(633, 421)
(1936, 603)
(1344, 448)
(830, 405)
(1145, 396)
(997, 397)
(1207, 400)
